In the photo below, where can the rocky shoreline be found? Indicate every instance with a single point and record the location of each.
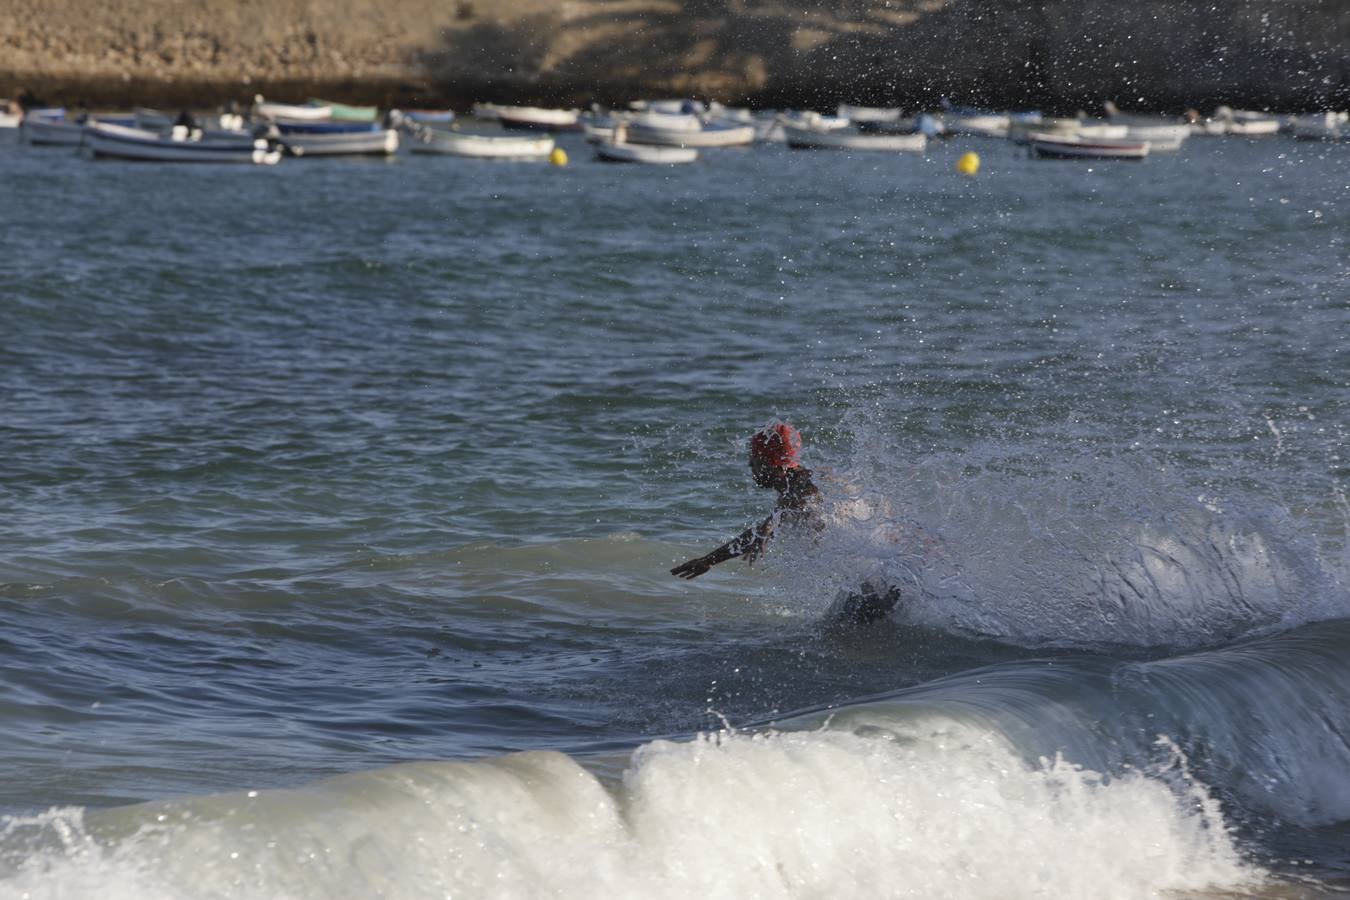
(1154, 54)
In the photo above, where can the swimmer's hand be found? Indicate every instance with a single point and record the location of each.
(693, 568)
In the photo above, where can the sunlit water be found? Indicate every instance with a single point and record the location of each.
(314, 471)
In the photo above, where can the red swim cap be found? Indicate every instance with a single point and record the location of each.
(777, 445)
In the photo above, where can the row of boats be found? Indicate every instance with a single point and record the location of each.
(662, 132)
(673, 131)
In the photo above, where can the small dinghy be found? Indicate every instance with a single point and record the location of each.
(617, 149)
(847, 139)
(338, 138)
(107, 141)
(1053, 146)
(624, 152)
(481, 146)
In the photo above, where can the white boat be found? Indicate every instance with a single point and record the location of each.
(923, 123)
(982, 124)
(1056, 146)
(665, 121)
(668, 107)
(599, 129)
(1159, 136)
(870, 114)
(1021, 129)
(769, 128)
(1331, 126)
(1161, 132)
(293, 112)
(106, 141)
(799, 138)
(411, 120)
(816, 121)
(1096, 130)
(532, 118)
(481, 146)
(737, 115)
(700, 136)
(11, 115)
(623, 152)
(1209, 128)
(369, 140)
(1246, 123)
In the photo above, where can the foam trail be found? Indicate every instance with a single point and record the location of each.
(930, 807)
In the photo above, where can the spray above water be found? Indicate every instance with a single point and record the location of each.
(1085, 552)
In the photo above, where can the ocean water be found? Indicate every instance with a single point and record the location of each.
(340, 499)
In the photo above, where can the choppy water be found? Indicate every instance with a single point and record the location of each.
(331, 488)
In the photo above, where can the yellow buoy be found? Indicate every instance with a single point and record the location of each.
(558, 157)
(968, 164)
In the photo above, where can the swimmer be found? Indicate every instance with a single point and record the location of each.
(774, 464)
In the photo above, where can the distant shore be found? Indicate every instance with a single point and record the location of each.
(1060, 57)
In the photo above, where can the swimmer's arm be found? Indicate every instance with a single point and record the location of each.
(749, 543)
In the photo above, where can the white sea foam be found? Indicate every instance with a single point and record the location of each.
(937, 809)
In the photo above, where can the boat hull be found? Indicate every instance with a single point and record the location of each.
(990, 125)
(133, 144)
(274, 111)
(41, 133)
(736, 136)
(1254, 126)
(645, 153)
(808, 139)
(479, 146)
(1051, 147)
(380, 142)
(532, 119)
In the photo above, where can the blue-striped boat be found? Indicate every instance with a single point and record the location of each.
(106, 141)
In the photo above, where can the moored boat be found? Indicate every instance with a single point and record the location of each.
(264, 109)
(923, 123)
(1159, 136)
(1053, 146)
(982, 124)
(1246, 123)
(11, 114)
(107, 141)
(1330, 126)
(645, 131)
(49, 128)
(481, 146)
(669, 107)
(338, 139)
(599, 128)
(531, 118)
(652, 154)
(799, 138)
(867, 114)
(1020, 129)
(427, 116)
(342, 112)
(1097, 130)
(1160, 131)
